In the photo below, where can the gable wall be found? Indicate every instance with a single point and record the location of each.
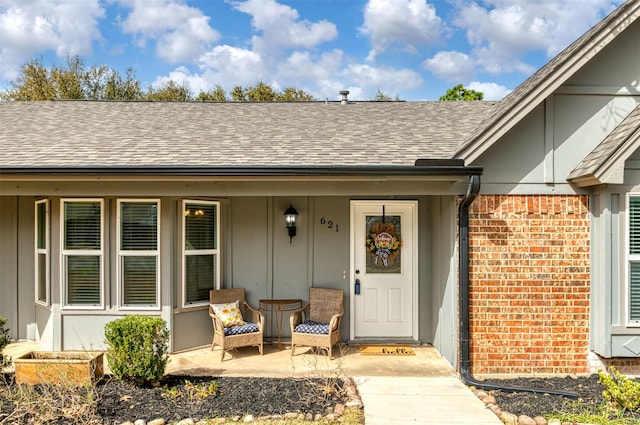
(544, 287)
(529, 292)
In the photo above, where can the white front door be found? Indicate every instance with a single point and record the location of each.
(384, 248)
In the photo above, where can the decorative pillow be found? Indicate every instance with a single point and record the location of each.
(229, 314)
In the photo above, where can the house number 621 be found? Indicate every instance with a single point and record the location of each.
(329, 223)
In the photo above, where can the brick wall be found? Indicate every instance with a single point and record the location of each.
(529, 283)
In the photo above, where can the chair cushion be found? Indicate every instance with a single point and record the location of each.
(247, 328)
(229, 313)
(311, 327)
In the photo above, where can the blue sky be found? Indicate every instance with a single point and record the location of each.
(412, 49)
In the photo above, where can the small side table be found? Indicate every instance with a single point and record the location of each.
(279, 306)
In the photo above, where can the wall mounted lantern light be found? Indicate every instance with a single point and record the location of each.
(290, 217)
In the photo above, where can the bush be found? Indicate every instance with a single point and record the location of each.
(137, 348)
(623, 392)
(4, 341)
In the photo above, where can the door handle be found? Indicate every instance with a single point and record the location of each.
(356, 287)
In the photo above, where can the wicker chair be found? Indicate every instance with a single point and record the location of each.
(249, 335)
(317, 324)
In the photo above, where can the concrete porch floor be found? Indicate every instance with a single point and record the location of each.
(347, 360)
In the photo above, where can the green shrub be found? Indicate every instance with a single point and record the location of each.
(137, 348)
(4, 341)
(623, 392)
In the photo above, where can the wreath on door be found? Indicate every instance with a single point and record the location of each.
(383, 243)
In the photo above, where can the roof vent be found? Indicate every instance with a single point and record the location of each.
(344, 94)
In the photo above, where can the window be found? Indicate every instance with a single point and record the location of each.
(634, 258)
(82, 252)
(138, 253)
(201, 259)
(42, 252)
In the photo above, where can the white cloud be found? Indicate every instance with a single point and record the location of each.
(386, 79)
(409, 24)
(182, 33)
(228, 65)
(281, 27)
(503, 31)
(451, 66)
(491, 91)
(301, 66)
(67, 27)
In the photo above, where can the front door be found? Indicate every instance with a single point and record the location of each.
(384, 247)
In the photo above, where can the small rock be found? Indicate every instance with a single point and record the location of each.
(354, 403)
(339, 409)
(481, 394)
(127, 423)
(160, 421)
(248, 418)
(187, 421)
(555, 422)
(508, 418)
(317, 417)
(290, 415)
(539, 420)
(489, 399)
(495, 409)
(526, 420)
(331, 417)
(140, 422)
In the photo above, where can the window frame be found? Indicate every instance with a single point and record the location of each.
(64, 253)
(46, 251)
(121, 254)
(629, 259)
(184, 253)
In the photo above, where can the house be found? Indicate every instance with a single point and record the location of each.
(502, 233)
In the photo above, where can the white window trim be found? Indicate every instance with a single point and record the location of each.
(185, 252)
(39, 251)
(64, 253)
(120, 253)
(628, 260)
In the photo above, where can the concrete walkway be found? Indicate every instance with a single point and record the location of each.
(419, 400)
(420, 389)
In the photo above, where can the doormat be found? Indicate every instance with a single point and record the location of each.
(386, 350)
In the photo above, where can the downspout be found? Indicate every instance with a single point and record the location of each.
(463, 277)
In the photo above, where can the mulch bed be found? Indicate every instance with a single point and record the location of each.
(588, 389)
(174, 399)
(239, 396)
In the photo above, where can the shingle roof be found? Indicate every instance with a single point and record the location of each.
(125, 134)
(528, 95)
(612, 152)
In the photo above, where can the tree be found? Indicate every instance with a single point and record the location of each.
(33, 83)
(460, 93)
(71, 81)
(214, 95)
(383, 97)
(118, 88)
(292, 94)
(99, 82)
(169, 91)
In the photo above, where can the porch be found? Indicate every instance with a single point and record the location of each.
(246, 361)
